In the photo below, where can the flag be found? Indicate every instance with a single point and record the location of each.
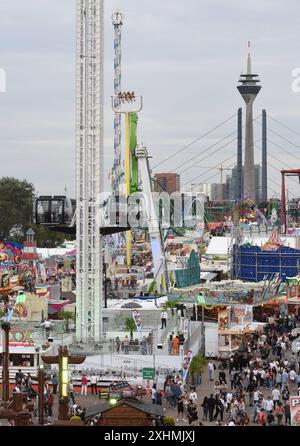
(137, 319)
(188, 356)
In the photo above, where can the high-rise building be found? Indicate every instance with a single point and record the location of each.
(249, 91)
(232, 184)
(168, 182)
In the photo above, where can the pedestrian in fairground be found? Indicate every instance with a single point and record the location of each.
(163, 318)
(93, 380)
(54, 381)
(211, 404)
(50, 401)
(180, 408)
(84, 382)
(211, 370)
(204, 405)
(219, 408)
(192, 412)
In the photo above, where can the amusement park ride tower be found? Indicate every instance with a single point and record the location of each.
(249, 91)
(89, 169)
(117, 171)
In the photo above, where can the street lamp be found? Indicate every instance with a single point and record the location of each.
(5, 361)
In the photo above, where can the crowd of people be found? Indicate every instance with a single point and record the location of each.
(262, 378)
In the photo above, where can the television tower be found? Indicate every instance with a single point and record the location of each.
(249, 91)
(117, 21)
(89, 169)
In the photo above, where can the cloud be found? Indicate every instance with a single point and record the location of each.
(183, 57)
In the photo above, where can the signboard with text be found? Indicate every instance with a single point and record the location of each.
(148, 373)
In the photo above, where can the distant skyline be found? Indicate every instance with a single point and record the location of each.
(185, 58)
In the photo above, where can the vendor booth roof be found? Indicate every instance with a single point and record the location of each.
(218, 246)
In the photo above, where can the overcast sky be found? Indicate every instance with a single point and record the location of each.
(183, 57)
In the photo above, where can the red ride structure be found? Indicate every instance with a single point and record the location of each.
(283, 213)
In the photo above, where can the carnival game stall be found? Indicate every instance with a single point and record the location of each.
(24, 353)
(235, 325)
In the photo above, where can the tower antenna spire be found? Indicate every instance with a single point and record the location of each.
(249, 59)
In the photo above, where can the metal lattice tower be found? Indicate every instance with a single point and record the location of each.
(117, 171)
(89, 169)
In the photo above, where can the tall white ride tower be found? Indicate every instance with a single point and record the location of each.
(89, 169)
(117, 170)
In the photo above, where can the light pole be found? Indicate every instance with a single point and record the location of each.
(5, 359)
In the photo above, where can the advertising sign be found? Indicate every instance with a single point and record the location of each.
(295, 410)
(188, 356)
(241, 315)
(137, 319)
(223, 319)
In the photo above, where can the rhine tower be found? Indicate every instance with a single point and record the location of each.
(249, 90)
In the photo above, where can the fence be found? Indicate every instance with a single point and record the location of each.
(252, 264)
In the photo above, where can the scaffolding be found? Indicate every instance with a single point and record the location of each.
(89, 166)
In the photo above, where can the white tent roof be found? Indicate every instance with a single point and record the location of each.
(27, 350)
(218, 246)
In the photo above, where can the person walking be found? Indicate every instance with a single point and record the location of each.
(180, 408)
(204, 406)
(149, 343)
(54, 381)
(71, 392)
(193, 395)
(163, 318)
(84, 383)
(250, 390)
(271, 418)
(170, 346)
(211, 370)
(153, 393)
(211, 404)
(262, 417)
(275, 396)
(257, 410)
(287, 413)
(192, 412)
(175, 346)
(47, 326)
(219, 408)
(126, 345)
(50, 401)
(269, 405)
(93, 381)
(279, 412)
(118, 344)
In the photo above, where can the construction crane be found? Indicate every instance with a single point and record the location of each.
(221, 169)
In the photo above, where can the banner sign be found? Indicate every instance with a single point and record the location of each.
(295, 410)
(241, 315)
(137, 319)
(188, 356)
(223, 319)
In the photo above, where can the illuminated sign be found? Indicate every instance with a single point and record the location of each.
(65, 375)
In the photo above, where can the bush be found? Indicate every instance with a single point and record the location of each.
(169, 421)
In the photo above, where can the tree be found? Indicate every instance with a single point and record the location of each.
(16, 197)
(130, 326)
(67, 316)
(169, 421)
(170, 305)
(16, 200)
(196, 366)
